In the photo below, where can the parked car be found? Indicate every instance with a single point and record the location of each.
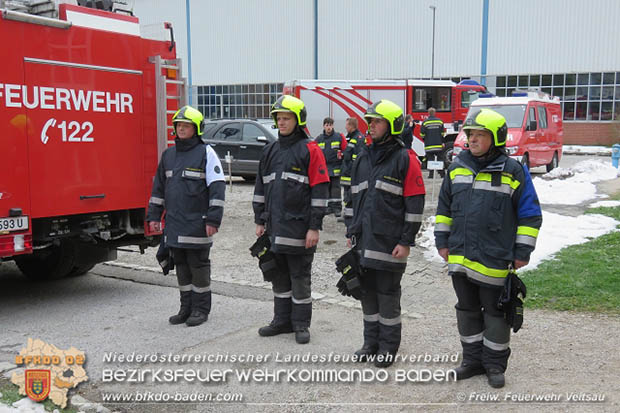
(535, 127)
(243, 139)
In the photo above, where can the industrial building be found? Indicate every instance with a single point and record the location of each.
(238, 53)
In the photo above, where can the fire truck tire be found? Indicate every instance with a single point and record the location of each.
(49, 264)
(448, 153)
(554, 163)
(249, 178)
(525, 160)
(79, 270)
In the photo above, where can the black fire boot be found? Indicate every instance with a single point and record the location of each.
(185, 310)
(371, 341)
(302, 335)
(496, 378)
(281, 322)
(201, 307)
(468, 369)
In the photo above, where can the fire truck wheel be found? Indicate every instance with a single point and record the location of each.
(50, 263)
(448, 153)
(554, 163)
(81, 270)
(525, 160)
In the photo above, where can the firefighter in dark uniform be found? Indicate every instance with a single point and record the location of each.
(433, 132)
(290, 200)
(333, 145)
(355, 142)
(190, 186)
(388, 199)
(487, 220)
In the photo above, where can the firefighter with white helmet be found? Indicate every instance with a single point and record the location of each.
(387, 192)
(488, 217)
(189, 185)
(290, 200)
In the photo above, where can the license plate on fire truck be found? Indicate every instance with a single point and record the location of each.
(14, 223)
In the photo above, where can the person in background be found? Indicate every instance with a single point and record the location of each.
(433, 132)
(333, 145)
(407, 135)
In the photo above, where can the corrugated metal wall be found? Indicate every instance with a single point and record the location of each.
(553, 36)
(244, 41)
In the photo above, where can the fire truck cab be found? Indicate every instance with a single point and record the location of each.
(341, 99)
(535, 129)
(85, 110)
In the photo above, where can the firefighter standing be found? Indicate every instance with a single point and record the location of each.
(388, 199)
(290, 200)
(355, 143)
(407, 135)
(433, 132)
(488, 219)
(333, 145)
(190, 185)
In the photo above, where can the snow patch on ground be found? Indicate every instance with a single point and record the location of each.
(560, 188)
(557, 232)
(609, 204)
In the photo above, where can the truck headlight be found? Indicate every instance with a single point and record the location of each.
(456, 150)
(512, 149)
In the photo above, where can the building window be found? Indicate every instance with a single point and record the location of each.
(238, 101)
(584, 96)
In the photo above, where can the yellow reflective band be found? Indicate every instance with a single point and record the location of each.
(433, 147)
(345, 178)
(506, 180)
(460, 171)
(442, 219)
(433, 121)
(532, 232)
(476, 266)
(336, 171)
(354, 156)
(321, 145)
(353, 140)
(335, 144)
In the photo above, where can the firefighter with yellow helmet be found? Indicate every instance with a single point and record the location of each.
(488, 217)
(189, 185)
(290, 200)
(387, 193)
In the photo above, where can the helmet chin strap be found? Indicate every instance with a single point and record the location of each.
(382, 139)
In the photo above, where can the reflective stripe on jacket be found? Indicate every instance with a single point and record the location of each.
(190, 186)
(487, 218)
(388, 201)
(291, 192)
(332, 145)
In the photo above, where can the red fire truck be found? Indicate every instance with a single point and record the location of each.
(341, 99)
(85, 111)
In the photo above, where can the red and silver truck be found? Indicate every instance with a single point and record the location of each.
(341, 99)
(85, 111)
(535, 128)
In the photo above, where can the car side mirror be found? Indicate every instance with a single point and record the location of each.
(262, 139)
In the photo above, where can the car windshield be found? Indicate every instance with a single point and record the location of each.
(514, 114)
(268, 124)
(468, 96)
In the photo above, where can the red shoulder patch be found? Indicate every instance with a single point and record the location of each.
(317, 169)
(414, 184)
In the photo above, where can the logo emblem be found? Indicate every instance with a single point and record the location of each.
(217, 169)
(38, 384)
